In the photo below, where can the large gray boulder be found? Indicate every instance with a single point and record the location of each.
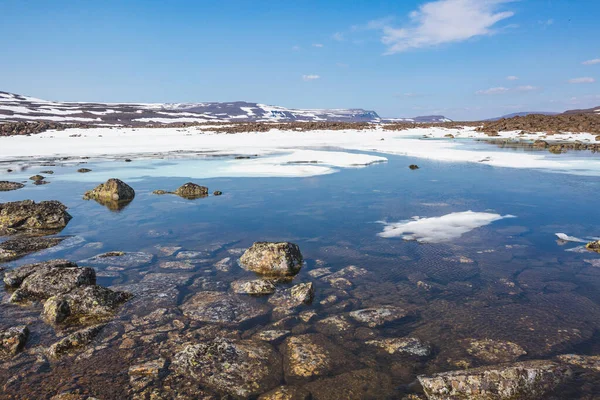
(27, 215)
(239, 368)
(527, 380)
(43, 280)
(273, 259)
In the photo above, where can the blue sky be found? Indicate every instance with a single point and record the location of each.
(466, 59)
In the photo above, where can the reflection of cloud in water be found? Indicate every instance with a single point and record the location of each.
(439, 229)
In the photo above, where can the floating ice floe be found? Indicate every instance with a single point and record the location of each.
(439, 229)
(567, 238)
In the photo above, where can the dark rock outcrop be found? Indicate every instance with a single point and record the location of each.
(6, 186)
(27, 215)
(74, 342)
(192, 191)
(18, 247)
(273, 259)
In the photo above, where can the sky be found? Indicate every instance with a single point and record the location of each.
(465, 59)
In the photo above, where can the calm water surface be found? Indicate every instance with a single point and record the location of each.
(521, 286)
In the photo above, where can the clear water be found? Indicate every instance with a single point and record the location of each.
(522, 286)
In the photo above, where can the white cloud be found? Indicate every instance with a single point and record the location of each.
(442, 21)
(339, 36)
(512, 78)
(318, 45)
(585, 79)
(494, 90)
(311, 77)
(439, 229)
(592, 62)
(527, 88)
(296, 48)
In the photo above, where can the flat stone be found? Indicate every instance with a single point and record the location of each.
(6, 186)
(302, 293)
(272, 335)
(74, 342)
(224, 308)
(239, 368)
(377, 316)
(18, 247)
(120, 259)
(494, 351)
(253, 287)
(411, 346)
(182, 265)
(523, 380)
(319, 272)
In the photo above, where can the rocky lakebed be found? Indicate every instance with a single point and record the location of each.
(300, 288)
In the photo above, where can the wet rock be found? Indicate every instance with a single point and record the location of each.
(587, 362)
(378, 316)
(84, 170)
(154, 368)
(273, 258)
(541, 144)
(409, 345)
(6, 186)
(253, 287)
(494, 351)
(336, 324)
(74, 342)
(217, 193)
(272, 335)
(43, 280)
(361, 384)
(119, 259)
(449, 135)
(413, 166)
(177, 265)
(191, 255)
(160, 192)
(239, 368)
(303, 293)
(311, 355)
(36, 178)
(113, 194)
(219, 307)
(192, 191)
(524, 380)
(47, 172)
(12, 340)
(223, 265)
(83, 304)
(319, 272)
(593, 246)
(349, 273)
(18, 247)
(286, 393)
(27, 215)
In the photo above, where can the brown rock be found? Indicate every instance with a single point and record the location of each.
(273, 259)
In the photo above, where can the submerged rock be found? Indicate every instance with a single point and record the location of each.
(6, 186)
(74, 342)
(113, 194)
(43, 280)
(219, 307)
(12, 340)
(588, 362)
(273, 258)
(286, 393)
(494, 351)
(15, 248)
(253, 287)
(378, 316)
(36, 178)
(409, 345)
(27, 215)
(191, 191)
(83, 304)
(239, 368)
(120, 259)
(361, 384)
(524, 380)
(303, 293)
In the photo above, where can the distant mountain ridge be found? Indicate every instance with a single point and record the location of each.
(14, 107)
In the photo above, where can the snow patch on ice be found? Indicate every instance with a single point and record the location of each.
(567, 238)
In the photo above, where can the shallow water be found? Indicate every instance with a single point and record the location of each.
(519, 283)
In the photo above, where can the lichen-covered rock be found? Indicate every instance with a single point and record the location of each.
(191, 191)
(224, 308)
(493, 351)
(111, 190)
(253, 287)
(593, 246)
(334, 325)
(302, 293)
(524, 380)
(74, 342)
(27, 215)
(36, 178)
(12, 340)
(588, 362)
(18, 247)
(286, 393)
(378, 316)
(408, 345)
(361, 384)
(239, 368)
(312, 355)
(43, 280)
(272, 335)
(273, 258)
(6, 186)
(83, 304)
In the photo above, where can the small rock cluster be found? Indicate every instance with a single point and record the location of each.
(190, 191)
